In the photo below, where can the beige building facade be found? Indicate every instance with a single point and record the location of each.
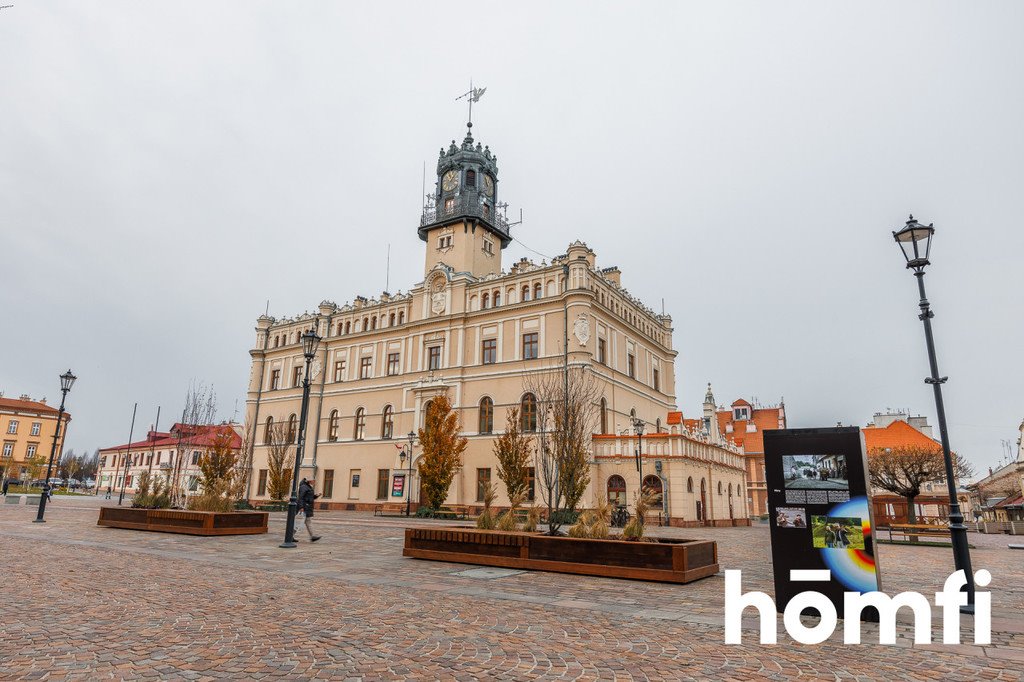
(479, 333)
(28, 428)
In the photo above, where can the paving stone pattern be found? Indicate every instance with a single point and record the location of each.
(85, 603)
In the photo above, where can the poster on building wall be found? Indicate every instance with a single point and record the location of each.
(819, 511)
(398, 485)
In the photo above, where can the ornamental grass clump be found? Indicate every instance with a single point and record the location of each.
(507, 520)
(532, 519)
(486, 519)
(634, 530)
(592, 523)
(152, 493)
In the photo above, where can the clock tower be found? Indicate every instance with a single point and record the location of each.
(461, 223)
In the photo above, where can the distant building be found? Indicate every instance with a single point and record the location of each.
(892, 429)
(28, 426)
(1000, 495)
(157, 454)
(744, 424)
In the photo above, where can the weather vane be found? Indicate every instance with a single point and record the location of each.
(473, 95)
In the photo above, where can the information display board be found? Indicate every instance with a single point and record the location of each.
(398, 485)
(819, 510)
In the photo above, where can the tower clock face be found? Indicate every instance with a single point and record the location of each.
(450, 180)
(488, 186)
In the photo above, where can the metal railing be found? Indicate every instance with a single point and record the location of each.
(466, 204)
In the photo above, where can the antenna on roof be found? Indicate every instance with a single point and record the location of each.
(157, 427)
(387, 269)
(267, 311)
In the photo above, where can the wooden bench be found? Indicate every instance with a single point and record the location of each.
(389, 509)
(452, 511)
(918, 530)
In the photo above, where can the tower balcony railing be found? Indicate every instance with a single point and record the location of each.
(467, 204)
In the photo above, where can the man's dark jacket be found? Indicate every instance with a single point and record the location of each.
(306, 497)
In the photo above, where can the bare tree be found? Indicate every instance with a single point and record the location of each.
(566, 414)
(200, 410)
(904, 470)
(280, 460)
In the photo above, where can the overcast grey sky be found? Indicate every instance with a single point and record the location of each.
(165, 168)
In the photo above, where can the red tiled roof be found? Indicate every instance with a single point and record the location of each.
(205, 436)
(1011, 501)
(30, 406)
(675, 418)
(764, 419)
(897, 434)
(741, 402)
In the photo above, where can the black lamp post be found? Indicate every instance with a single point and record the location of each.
(67, 380)
(310, 343)
(915, 240)
(408, 477)
(638, 428)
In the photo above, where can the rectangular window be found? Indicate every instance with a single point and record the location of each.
(657, 381)
(383, 475)
(530, 346)
(195, 457)
(328, 483)
(490, 351)
(601, 352)
(631, 365)
(483, 481)
(296, 376)
(488, 247)
(30, 452)
(393, 364)
(261, 487)
(365, 368)
(275, 380)
(36, 426)
(8, 449)
(339, 371)
(434, 357)
(12, 426)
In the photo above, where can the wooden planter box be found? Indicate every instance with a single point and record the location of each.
(186, 522)
(675, 561)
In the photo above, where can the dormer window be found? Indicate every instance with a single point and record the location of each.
(488, 247)
(471, 179)
(741, 413)
(444, 242)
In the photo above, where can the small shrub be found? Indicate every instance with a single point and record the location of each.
(564, 517)
(424, 513)
(152, 493)
(507, 520)
(532, 519)
(634, 530)
(486, 519)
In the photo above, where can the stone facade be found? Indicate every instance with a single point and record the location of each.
(479, 333)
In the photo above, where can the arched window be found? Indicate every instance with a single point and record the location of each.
(387, 426)
(268, 435)
(702, 486)
(538, 290)
(348, 326)
(525, 294)
(359, 432)
(486, 415)
(617, 491)
(332, 426)
(497, 298)
(510, 295)
(604, 416)
(485, 301)
(426, 411)
(277, 341)
(632, 415)
(653, 484)
(373, 322)
(730, 490)
(689, 484)
(292, 424)
(391, 320)
(401, 316)
(528, 413)
(471, 179)
(719, 487)
(657, 425)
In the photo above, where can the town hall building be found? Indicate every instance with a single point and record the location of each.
(482, 332)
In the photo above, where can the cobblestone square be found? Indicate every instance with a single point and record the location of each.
(84, 602)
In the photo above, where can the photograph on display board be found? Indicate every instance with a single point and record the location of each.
(815, 472)
(837, 532)
(791, 517)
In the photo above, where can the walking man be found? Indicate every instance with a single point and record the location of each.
(306, 497)
(107, 497)
(6, 483)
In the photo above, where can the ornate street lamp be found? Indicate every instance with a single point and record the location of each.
(915, 240)
(408, 478)
(638, 429)
(67, 380)
(310, 344)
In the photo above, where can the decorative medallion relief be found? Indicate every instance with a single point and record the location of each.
(581, 329)
(438, 296)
